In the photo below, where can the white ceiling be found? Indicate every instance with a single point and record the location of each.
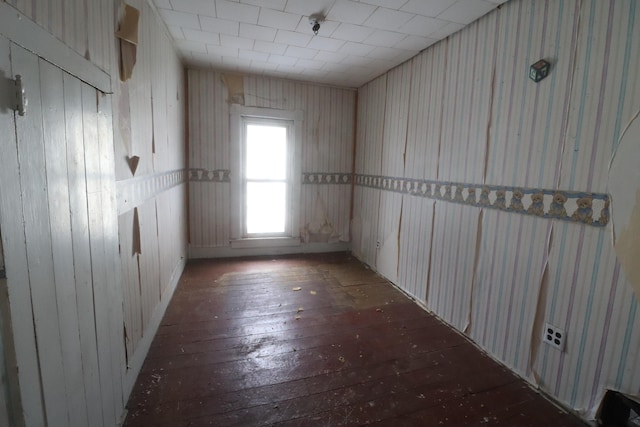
(359, 40)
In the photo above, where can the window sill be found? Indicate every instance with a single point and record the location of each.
(265, 242)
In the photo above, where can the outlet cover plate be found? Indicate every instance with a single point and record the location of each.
(553, 336)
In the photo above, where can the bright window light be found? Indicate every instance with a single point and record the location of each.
(266, 152)
(266, 174)
(266, 207)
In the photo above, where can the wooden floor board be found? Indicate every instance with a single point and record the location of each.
(239, 346)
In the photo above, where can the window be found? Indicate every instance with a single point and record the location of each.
(265, 177)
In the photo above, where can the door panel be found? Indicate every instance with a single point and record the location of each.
(58, 211)
(33, 183)
(52, 91)
(15, 257)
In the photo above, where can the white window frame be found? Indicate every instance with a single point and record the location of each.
(238, 115)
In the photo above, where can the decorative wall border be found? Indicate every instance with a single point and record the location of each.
(326, 178)
(572, 206)
(224, 175)
(132, 192)
(204, 175)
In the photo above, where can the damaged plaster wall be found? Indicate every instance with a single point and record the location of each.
(327, 156)
(474, 117)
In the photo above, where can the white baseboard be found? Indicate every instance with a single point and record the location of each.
(135, 363)
(196, 252)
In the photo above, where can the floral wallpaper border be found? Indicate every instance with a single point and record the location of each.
(575, 206)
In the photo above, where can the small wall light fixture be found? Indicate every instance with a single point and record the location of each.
(539, 70)
(314, 21)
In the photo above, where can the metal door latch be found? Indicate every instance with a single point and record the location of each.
(21, 97)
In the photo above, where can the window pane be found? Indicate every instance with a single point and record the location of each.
(266, 203)
(266, 152)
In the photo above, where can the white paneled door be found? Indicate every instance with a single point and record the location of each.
(59, 229)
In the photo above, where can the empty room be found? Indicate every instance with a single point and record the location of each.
(319, 213)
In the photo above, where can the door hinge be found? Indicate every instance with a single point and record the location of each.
(21, 98)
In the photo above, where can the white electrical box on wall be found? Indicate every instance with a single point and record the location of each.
(553, 336)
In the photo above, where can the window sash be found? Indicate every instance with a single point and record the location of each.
(275, 122)
(238, 237)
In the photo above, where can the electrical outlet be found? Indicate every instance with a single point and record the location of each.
(553, 336)
(377, 244)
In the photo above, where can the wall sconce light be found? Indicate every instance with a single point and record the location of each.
(314, 21)
(539, 70)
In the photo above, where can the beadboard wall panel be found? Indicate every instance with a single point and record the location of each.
(494, 273)
(143, 117)
(150, 110)
(453, 252)
(209, 224)
(509, 275)
(364, 228)
(208, 138)
(415, 246)
(62, 261)
(85, 26)
(149, 123)
(425, 113)
(467, 79)
(327, 151)
(529, 120)
(327, 203)
(370, 125)
(604, 91)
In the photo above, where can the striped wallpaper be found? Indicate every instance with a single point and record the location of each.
(465, 111)
(327, 151)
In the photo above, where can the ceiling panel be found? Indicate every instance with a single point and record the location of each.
(357, 41)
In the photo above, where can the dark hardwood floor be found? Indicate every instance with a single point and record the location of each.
(241, 345)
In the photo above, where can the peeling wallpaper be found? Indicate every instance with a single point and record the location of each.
(464, 111)
(149, 123)
(327, 150)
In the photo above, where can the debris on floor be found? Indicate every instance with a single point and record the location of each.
(397, 373)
